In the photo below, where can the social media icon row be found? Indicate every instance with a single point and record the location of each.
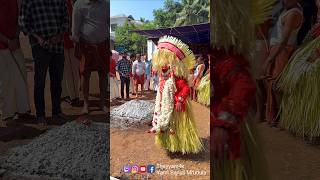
(139, 169)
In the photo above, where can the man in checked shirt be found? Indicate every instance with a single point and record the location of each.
(45, 22)
(124, 69)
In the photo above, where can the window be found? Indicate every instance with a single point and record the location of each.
(113, 27)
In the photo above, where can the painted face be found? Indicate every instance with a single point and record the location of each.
(166, 71)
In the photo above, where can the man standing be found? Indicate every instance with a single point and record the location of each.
(148, 73)
(132, 58)
(155, 79)
(89, 29)
(138, 72)
(282, 46)
(13, 84)
(124, 70)
(45, 22)
(114, 85)
(71, 78)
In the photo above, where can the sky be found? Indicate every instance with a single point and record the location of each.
(136, 8)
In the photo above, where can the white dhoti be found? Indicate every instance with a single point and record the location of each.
(71, 75)
(155, 83)
(132, 87)
(259, 56)
(14, 96)
(114, 88)
(147, 82)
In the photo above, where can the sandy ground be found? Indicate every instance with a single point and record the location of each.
(136, 147)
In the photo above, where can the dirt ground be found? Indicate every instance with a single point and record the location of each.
(289, 158)
(136, 147)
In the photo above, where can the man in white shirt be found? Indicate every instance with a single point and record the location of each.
(148, 73)
(90, 30)
(138, 71)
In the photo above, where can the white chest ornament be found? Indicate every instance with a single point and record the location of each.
(164, 106)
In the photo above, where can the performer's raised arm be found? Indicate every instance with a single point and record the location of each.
(181, 95)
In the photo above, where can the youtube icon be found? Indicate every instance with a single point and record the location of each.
(142, 169)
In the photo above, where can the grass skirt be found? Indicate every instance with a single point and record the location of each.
(300, 84)
(186, 139)
(203, 91)
(251, 165)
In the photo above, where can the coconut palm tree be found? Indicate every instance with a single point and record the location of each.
(193, 12)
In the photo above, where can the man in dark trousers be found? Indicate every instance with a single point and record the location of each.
(124, 69)
(45, 22)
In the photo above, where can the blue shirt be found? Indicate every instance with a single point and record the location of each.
(148, 67)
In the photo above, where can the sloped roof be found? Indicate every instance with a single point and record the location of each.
(191, 34)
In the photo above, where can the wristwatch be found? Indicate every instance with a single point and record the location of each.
(226, 116)
(8, 41)
(181, 99)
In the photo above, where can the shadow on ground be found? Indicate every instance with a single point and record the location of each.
(148, 95)
(18, 132)
(203, 156)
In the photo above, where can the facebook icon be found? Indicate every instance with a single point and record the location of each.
(151, 169)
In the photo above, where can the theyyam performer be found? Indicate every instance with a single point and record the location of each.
(236, 152)
(299, 82)
(203, 90)
(173, 121)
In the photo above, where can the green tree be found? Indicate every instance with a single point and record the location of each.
(193, 12)
(132, 42)
(122, 37)
(142, 19)
(166, 16)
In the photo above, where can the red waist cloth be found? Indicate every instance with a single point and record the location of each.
(234, 93)
(95, 57)
(68, 43)
(113, 65)
(315, 31)
(8, 20)
(139, 79)
(262, 30)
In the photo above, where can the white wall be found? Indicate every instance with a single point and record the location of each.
(117, 20)
(151, 48)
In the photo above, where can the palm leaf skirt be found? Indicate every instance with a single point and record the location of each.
(203, 91)
(185, 139)
(300, 84)
(252, 163)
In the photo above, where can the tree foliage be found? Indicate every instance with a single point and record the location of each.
(183, 12)
(173, 13)
(166, 17)
(132, 42)
(193, 12)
